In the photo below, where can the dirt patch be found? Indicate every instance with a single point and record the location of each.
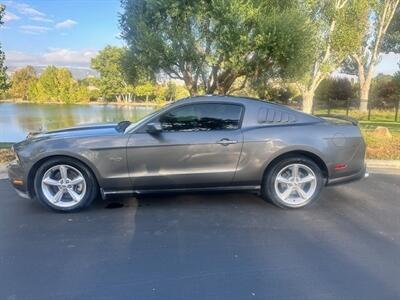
(6, 155)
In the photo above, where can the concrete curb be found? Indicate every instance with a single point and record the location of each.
(372, 164)
(385, 164)
(3, 171)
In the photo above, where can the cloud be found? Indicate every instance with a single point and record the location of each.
(42, 19)
(25, 9)
(28, 11)
(33, 29)
(53, 56)
(19, 58)
(9, 16)
(66, 24)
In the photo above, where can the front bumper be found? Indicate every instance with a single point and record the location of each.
(18, 179)
(363, 173)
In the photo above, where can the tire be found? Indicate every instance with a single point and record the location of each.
(283, 188)
(78, 186)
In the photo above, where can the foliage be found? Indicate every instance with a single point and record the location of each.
(385, 92)
(21, 81)
(57, 85)
(337, 89)
(391, 40)
(108, 62)
(210, 44)
(4, 82)
(338, 26)
(365, 58)
(144, 90)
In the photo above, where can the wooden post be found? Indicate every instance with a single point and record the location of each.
(397, 110)
(347, 107)
(369, 110)
(329, 106)
(313, 106)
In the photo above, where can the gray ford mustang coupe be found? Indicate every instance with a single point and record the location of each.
(206, 143)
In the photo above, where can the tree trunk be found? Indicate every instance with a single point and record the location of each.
(364, 93)
(308, 98)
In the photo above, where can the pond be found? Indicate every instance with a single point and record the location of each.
(17, 119)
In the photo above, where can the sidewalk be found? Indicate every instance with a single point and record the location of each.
(3, 171)
(374, 166)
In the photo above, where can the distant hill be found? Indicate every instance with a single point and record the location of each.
(77, 72)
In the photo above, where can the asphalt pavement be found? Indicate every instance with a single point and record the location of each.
(206, 246)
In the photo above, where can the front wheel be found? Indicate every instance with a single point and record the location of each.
(65, 185)
(293, 182)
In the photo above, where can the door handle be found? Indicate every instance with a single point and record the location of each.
(226, 142)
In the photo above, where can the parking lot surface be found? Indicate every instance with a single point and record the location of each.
(206, 246)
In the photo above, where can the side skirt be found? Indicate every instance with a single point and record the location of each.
(108, 193)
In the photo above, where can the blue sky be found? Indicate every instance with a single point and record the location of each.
(70, 32)
(66, 32)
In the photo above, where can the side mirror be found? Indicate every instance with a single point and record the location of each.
(153, 127)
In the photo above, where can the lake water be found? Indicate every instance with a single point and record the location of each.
(17, 120)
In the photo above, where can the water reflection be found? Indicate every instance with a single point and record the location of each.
(16, 120)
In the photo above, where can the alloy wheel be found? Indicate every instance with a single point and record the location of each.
(63, 186)
(295, 184)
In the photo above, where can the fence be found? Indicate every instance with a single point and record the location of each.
(350, 107)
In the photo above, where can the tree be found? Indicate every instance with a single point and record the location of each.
(4, 83)
(337, 90)
(366, 57)
(144, 90)
(391, 40)
(170, 91)
(57, 85)
(112, 82)
(211, 44)
(384, 91)
(21, 82)
(338, 26)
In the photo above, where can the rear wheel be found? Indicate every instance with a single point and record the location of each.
(64, 184)
(293, 182)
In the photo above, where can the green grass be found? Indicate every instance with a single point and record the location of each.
(377, 115)
(5, 145)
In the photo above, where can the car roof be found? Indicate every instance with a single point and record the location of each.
(230, 98)
(219, 98)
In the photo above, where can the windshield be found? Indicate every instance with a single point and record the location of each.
(144, 119)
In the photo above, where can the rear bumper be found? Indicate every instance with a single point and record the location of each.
(363, 173)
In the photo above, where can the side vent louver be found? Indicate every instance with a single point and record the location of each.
(272, 116)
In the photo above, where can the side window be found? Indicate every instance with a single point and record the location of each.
(202, 117)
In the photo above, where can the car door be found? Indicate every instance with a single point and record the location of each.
(199, 145)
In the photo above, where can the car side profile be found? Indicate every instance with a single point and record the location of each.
(205, 143)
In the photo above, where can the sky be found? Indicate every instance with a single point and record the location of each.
(59, 32)
(71, 32)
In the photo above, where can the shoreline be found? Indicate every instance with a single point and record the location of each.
(140, 104)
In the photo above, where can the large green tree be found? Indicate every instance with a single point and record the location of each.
(338, 27)
(57, 85)
(4, 83)
(21, 82)
(112, 83)
(209, 44)
(366, 57)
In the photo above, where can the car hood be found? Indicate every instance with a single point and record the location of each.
(86, 130)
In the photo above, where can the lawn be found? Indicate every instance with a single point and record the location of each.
(377, 115)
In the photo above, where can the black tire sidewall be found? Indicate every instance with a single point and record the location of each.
(91, 184)
(269, 192)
